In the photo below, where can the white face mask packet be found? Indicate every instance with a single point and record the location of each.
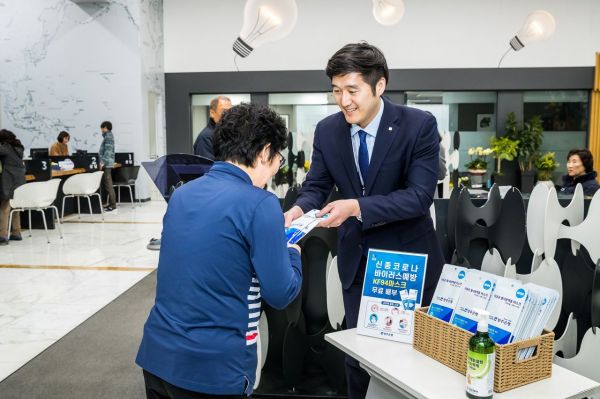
(474, 294)
(302, 226)
(505, 308)
(447, 292)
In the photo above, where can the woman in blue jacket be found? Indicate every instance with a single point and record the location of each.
(223, 250)
(580, 169)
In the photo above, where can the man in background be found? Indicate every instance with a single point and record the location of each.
(107, 161)
(203, 145)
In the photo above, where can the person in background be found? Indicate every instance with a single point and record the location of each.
(107, 161)
(12, 175)
(580, 169)
(203, 145)
(61, 147)
(223, 251)
(384, 158)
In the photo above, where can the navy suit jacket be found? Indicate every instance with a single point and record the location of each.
(203, 145)
(398, 191)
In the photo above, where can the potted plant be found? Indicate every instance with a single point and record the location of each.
(529, 136)
(503, 148)
(545, 165)
(477, 166)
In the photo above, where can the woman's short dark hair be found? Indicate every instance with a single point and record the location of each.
(62, 135)
(587, 159)
(243, 132)
(106, 125)
(8, 137)
(363, 58)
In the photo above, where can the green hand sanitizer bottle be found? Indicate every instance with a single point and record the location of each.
(481, 361)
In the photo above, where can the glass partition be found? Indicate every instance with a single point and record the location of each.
(200, 104)
(564, 115)
(303, 111)
(473, 114)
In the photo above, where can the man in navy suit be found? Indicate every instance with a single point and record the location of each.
(384, 159)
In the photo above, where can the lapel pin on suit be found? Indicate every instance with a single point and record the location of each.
(389, 129)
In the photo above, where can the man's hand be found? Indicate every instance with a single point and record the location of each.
(339, 211)
(292, 215)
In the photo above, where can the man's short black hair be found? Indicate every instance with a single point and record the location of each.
(62, 135)
(363, 58)
(107, 125)
(243, 132)
(587, 159)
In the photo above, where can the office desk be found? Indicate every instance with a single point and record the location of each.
(399, 371)
(60, 173)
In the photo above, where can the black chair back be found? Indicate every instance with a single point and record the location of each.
(125, 175)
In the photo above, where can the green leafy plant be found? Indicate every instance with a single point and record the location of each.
(478, 158)
(529, 136)
(504, 148)
(464, 181)
(545, 165)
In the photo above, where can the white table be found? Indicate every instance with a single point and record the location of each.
(399, 371)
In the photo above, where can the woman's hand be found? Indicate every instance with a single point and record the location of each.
(296, 247)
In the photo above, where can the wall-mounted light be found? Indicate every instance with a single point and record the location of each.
(388, 12)
(265, 21)
(539, 25)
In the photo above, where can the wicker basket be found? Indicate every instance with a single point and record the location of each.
(448, 344)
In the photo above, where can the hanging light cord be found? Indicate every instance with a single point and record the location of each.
(235, 62)
(501, 59)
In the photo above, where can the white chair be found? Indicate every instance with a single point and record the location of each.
(262, 346)
(586, 361)
(567, 343)
(335, 302)
(83, 185)
(36, 196)
(492, 263)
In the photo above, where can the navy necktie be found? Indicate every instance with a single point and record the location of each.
(363, 155)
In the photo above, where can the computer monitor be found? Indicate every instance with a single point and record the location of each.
(38, 153)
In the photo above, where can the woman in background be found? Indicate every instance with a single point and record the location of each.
(580, 169)
(12, 175)
(61, 147)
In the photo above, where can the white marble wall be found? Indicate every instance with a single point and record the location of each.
(68, 66)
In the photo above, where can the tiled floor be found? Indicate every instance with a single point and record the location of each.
(46, 290)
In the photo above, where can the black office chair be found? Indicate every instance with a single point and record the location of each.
(125, 177)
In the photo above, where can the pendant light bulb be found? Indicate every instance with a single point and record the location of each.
(265, 21)
(539, 25)
(388, 12)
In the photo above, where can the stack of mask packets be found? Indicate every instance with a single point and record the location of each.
(537, 310)
(517, 311)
